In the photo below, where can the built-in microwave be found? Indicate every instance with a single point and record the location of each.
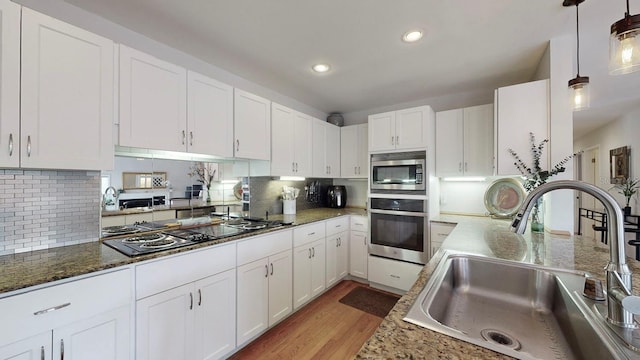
(402, 172)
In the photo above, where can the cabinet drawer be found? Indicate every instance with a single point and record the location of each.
(338, 225)
(396, 274)
(359, 223)
(262, 246)
(167, 273)
(440, 231)
(44, 309)
(308, 233)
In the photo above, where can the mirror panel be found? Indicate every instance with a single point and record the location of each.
(619, 164)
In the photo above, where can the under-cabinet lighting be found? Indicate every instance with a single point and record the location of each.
(229, 181)
(465, 178)
(292, 178)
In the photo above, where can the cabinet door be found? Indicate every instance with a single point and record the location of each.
(302, 144)
(382, 131)
(253, 299)
(478, 140)
(358, 254)
(282, 138)
(164, 325)
(301, 275)
(280, 286)
(66, 96)
(252, 126)
(215, 321)
(10, 84)
(342, 255)
(332, 142)
(411, 128)
(521, 109)
(320, 145)
(153, 102)
(209, 116)
(331, 275)
(363, 154)
(449, 142)
(35, 347)
(102, 337)
(318, 267)
(349, 152)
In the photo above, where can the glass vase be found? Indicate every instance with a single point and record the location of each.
(537, 216)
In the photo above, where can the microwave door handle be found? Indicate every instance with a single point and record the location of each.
(395, 212)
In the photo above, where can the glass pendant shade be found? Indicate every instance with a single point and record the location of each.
(579, 87)
(624, 45)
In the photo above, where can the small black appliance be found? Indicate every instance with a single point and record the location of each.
(337, 196)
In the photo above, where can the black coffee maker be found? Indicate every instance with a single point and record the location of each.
(336, 196)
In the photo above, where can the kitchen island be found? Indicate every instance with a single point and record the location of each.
(397, 339)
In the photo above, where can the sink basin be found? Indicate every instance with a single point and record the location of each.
(521, 310)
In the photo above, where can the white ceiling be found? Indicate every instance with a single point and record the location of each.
(470, 45)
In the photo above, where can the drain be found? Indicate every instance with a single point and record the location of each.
(500, 338)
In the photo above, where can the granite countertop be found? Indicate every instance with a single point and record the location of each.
(397, 339)
(20, 271)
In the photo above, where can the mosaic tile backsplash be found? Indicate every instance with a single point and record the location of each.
(42, 209)
(266, 194)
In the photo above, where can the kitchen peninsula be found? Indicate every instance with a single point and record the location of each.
(398, 339)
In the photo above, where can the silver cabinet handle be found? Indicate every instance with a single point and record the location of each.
(190, 301)
(355, 169)
(296, 167)
(10, 144)
(397, 140)
(311, 233)
(337, 242)
(266, 270)
(271, 269)
(392, 141)
(184, 136)
(365, 241)
(199, 297)
(309, 253)
(61, 349)
(394, 276)
(466, 166)
(460, 167)
(191, 138)
(40, 312)
(29, 146)
(42, 353)
(313, 252)
(237, 144)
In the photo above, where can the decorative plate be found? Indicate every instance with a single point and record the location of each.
(237, 190)
(504, 197)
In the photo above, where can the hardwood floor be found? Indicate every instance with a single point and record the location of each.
(323, 329)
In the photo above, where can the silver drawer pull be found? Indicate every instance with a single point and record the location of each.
(311, 233)
(29, 146)
(394, 276)
(10, 144)
(51, 309)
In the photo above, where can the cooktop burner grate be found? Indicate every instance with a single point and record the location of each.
(143, 239)
(158, 244)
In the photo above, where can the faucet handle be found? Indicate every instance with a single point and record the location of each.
(632, 304)
(593, 289)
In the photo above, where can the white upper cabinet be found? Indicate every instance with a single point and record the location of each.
(209, 116)
(464, 141)
(325, 149)
(520, 110)
(252, 126)
(9, 84)
(290, 142)
(66, 95)
(353, 151)
(399, 130)
(153, 102)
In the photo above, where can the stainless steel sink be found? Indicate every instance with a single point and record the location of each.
(521, 310)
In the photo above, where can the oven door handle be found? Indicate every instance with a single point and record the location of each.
(396, 212)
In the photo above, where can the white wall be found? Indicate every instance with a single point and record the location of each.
(463, 197)
(356, 191)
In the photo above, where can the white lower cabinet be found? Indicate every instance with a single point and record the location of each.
(358, 249)
(392, 273)
(83, 319)
(309, 256)
(186, 305)
(264, 283)
(337, 255)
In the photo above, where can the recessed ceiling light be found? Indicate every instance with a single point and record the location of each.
(321, 68)
(412, 36)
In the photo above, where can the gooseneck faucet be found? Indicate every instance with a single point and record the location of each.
(618, 273)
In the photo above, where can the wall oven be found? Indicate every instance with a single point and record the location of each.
(399, 229)
(399, 173)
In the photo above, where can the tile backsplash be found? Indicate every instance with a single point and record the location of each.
(266, 194)
(42, 209)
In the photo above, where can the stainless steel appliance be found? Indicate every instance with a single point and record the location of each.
(336, 196)
(399, 173)
(399, 229)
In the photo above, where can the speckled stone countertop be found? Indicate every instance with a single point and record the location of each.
(20, 271)
(397, 339)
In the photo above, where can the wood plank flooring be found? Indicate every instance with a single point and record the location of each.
(323, 329)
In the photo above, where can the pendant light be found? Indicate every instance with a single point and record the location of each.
(624, 45)
(579, 84)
